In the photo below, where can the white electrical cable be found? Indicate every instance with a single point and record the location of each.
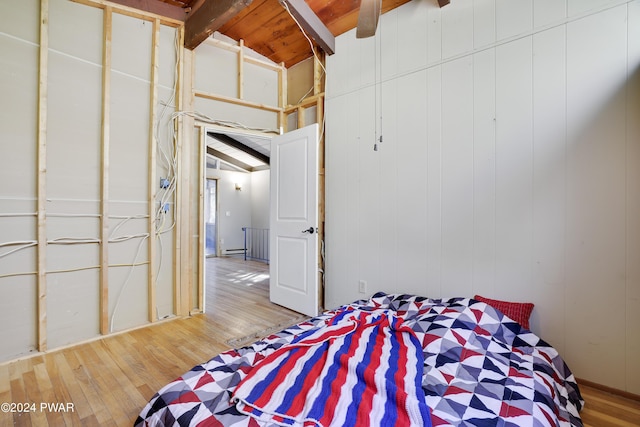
(125, 219)
(72, 270)
(17, 242)
(129, 237)
(136, 264)
(206, 119)
(124, 285)
(72, 240)
(70, 215)
(141, 216)
(24, 246)
(324, 70)
(10, 215)
(313, 50)
(29, 273)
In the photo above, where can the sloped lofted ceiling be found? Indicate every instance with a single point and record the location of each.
(264, 25)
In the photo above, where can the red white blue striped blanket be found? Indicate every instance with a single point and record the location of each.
(363, 369)
(480, 369)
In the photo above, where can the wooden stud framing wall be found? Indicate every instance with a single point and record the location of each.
(85, 240)
(153, 102)
(104, 202)
(77, 221)
(257, 109)
(42, 171)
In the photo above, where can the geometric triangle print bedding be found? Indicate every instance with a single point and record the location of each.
(480, 368)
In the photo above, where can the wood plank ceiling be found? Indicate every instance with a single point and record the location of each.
(265, 25)
(267, 28)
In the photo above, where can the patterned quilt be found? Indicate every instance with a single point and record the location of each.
(480, 369)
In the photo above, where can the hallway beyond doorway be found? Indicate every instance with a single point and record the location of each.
(239, 289)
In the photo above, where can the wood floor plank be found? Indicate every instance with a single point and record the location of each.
(66, 386)
(55, 395)
(604, 409)
(86, 382)
(18, 395)
(4, 378)
(34, 398)
(122, 388)
(104, 384)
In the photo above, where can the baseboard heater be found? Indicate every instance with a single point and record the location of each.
(234, 251)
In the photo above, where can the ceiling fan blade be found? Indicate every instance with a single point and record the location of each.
(368, 18)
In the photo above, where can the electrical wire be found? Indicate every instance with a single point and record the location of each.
(10, 215)
(125, 219)
(129, 237)
(29, 273)
(168, 158)
(72, 270)
(72, 240)
(17, 242)
(226, 123)
(75, 215)
(24, 245)
(313, 50)
(124, 285)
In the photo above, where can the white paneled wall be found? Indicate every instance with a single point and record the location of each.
(509, 167)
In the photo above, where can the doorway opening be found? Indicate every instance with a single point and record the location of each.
(236, 200)
(245, 200)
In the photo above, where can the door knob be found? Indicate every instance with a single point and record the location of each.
(309, 230)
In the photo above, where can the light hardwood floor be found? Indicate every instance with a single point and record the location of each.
(107, 382)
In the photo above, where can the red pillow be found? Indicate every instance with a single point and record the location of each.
(518, 311)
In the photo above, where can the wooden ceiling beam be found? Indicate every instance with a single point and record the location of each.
(312, 25)
(232, 142)
(226, 158)
(209, 17)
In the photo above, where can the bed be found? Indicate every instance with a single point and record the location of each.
(463, 360)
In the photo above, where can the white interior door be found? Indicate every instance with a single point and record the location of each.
(294, 220)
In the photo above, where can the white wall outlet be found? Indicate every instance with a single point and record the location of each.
(362, 286)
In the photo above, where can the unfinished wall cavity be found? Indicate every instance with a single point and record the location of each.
(86, 231)
(233, 84)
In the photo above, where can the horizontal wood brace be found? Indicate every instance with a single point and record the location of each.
(130, 11)
(305, 103)
(236, 101)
